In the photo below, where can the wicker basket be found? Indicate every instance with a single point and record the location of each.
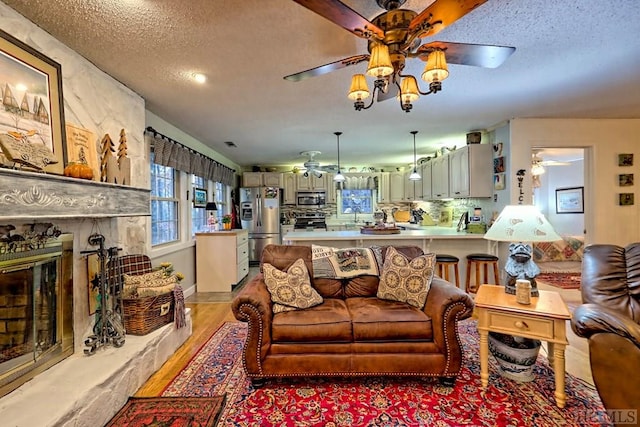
(144, 315)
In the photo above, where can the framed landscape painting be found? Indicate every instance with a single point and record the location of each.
(32, 112)
(570, 200)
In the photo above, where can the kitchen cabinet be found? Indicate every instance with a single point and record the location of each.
(396, 186)
(262, 179)
(222, 260)
(336, 227)
(412, 189)
(290, 186)
(330, 187)
(440, 177)
(311, 182)
(470, 171)
(384, 189)
(425, 172)
(286, 228)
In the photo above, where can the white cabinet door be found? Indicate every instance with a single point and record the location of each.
(252, 179)
(470, 171)
(440, 177)
(272, 179)
(311, 182)
(396, 186)
(412, 189)
(425, 172)
(290, 188)
(384, 188)
(459, 172)
(330, 186)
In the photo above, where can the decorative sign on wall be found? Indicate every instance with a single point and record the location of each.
(81, 147)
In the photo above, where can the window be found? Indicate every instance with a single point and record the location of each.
(164, 205)
(220, 193)
(356, 202)
(198, 215)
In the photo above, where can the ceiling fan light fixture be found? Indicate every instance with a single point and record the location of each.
(436, 69)
(359, 89)
(537, 169)
(379, 61)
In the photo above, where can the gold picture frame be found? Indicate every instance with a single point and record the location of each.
(32, 108)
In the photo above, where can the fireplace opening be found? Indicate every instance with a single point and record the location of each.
(36, 309)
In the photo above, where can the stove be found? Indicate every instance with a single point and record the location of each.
(310, 221)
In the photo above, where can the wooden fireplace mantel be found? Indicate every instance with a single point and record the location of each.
(31, 195)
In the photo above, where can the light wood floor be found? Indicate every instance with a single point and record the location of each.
(210, 310)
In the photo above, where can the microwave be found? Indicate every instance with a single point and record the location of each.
(315, 199)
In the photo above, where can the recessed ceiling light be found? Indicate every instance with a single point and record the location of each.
(200, 78)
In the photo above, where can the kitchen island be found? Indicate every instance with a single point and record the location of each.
(442, 240)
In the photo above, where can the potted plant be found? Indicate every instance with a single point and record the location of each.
(226, 221)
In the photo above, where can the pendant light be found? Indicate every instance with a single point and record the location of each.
(339, 177)
(415, 176)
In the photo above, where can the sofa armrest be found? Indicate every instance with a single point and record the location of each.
(446, 305)
(589, 319)
(253, 305)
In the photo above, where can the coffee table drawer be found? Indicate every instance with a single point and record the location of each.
(532, 326)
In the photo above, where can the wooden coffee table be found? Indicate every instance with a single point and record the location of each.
(543, 319)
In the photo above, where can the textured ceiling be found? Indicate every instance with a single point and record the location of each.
(573, 58)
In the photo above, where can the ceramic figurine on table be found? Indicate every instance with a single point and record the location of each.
(521, 266)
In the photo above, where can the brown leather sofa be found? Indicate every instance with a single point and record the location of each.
(352, 333)
(610, 319)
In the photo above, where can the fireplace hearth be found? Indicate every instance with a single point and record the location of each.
(36, 308)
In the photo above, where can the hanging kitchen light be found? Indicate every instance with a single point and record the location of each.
(338, 177)
(415, 176)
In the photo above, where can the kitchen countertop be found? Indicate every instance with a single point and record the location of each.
(426, 233)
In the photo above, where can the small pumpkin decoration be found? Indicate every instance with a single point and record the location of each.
(78, 170)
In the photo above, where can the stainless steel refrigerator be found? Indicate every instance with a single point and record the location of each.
(260, 215)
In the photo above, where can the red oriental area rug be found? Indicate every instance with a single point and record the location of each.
(560, 280)
(381, 401)
(169, 412)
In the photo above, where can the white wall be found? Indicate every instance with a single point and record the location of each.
(603, 140)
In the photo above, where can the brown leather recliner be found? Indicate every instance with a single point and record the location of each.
(352, 333)
(610, 319)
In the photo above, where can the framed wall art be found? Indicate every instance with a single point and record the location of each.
(625, 179)
(625, 199)
(32, 115)
(625, 159)
(199, 198)
(570, 200)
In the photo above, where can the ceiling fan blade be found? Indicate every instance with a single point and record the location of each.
(477, 55)
(444, 12)
(391, 90)
(342, 15)
(327, 68)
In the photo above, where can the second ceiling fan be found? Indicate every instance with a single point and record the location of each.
(394, 36)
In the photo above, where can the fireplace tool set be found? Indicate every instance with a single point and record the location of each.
(108, 328)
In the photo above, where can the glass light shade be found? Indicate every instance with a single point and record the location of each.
(436, 68)
(358, 89)
(379, 61)
(409, 89)
(537, 169)
(338, 177)
(521, 223)
(415, 176)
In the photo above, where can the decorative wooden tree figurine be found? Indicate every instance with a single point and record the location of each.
(119, 169)
(106, 148)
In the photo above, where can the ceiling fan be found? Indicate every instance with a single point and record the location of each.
(399, 31)
(312, 166)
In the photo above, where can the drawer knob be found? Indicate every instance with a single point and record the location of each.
(521, 325)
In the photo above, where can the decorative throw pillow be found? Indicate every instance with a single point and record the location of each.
(343, 263)
(292, 289)
(142, 278)
(148, 284)
(406, 280)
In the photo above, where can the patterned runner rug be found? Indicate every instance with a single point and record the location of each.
(169, 412)
(380, 401)
(560, 280)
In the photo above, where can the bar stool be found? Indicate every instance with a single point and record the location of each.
(443, 262)
(477, 261)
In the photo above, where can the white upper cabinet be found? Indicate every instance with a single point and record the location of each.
(290, 187)
(262, 179)
(470, 171)
(440, 177)
(384, 188)
(396, 186)
(425, 173)
(311, 182)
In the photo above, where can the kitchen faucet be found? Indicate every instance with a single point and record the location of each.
(355, 214)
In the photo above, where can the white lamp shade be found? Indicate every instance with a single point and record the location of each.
(521, 223)
(338, 177)
(415, 176)
(359, 89)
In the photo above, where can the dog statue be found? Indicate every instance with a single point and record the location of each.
(521, 266)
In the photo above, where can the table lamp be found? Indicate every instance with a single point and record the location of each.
(518, 224)
(212, 217)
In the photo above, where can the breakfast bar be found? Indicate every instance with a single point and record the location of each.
(440, 240)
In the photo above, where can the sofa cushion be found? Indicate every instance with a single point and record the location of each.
(292, 289)
(406, 280)
(381, 320)
(327, 322)
(343, 263)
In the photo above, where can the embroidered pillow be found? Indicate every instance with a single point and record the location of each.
(292, 289)
(406, 280)
(139, 279)
(343, 263)
(148, 284)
